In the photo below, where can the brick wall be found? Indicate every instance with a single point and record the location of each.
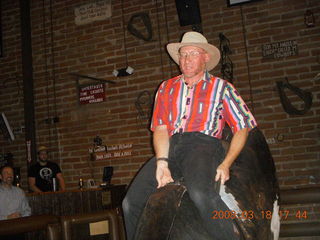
(96, 49)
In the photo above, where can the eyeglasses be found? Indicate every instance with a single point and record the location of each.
(192, 54)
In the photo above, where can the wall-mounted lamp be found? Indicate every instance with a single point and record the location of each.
(122, 72)
(309, 18)
(97, 141)
(97, 148)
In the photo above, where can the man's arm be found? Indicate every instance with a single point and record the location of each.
(62, 185)
(32, 184)
(161, 147)
(237, 143)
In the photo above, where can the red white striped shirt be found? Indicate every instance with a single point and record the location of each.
(204, 108)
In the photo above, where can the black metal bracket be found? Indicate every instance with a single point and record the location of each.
(92, 78)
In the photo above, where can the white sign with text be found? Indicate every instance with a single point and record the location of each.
(91, 12)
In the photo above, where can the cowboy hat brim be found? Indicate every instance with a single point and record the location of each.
(173, 50)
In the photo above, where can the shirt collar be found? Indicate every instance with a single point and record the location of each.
(206, 77)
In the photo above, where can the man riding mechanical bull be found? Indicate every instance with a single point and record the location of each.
(189, 117)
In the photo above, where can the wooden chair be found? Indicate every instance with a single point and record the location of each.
(109, 218)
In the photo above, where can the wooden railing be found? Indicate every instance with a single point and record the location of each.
(76, 201)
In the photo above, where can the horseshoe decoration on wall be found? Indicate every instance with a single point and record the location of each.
(147, 23)
(305, 96)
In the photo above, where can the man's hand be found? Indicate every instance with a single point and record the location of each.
(223, 173)
(237, 143)
(163, 174)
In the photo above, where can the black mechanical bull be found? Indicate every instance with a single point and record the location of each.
(251, 194)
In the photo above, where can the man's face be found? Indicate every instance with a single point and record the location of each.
(7, 175)
(192, 61)
(43, 156)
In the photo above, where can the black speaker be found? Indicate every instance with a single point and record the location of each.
(107, 174)
(188, 12)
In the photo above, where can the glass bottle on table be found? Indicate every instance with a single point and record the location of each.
(54, 184)
(17, 180)
(80, 183)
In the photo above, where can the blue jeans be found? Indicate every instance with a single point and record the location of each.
(195, 157)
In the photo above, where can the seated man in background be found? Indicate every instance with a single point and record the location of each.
(43, 175)
(13, 202)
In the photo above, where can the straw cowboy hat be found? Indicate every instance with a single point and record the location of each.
(197, 40)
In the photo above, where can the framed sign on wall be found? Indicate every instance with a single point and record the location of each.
(237, 2)
(91, 93)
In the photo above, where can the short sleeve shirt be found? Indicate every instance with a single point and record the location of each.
(205, 108)
(44, 175)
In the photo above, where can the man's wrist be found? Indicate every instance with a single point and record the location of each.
(162, 162)
(162, 159)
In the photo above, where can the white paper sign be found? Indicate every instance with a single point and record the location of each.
(91, 12)
(98, 228)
